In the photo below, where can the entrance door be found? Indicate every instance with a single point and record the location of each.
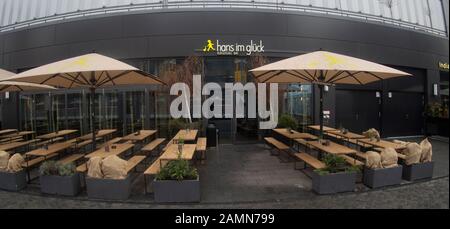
(404, 114)
(357, 111)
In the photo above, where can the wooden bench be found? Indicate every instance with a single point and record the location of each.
(310, 160)
(274, 143)
(49, 141)
(153, 145)
(13, 139)
(352, 161)
(82, 168)
(36, 161)
(201, 147)
(71, 158)
(110, 142)
(361, 155)
(133, 162)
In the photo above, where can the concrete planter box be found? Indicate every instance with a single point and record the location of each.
(171, 191)
(13, 181)
(418, 171)
(98, 188)
(376, 178)
(333, 182)
(60, 185)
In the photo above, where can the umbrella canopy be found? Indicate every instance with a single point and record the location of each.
(6, 86)
(91, 71)
(18, 86)
(324, 68)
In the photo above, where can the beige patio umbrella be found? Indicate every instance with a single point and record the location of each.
(324, 68)
(7, 86)
(90, 71)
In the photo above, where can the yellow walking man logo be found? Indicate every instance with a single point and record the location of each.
(209, 47)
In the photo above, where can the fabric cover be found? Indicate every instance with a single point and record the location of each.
(4, 158)
(373, 160)
(427, 150)
(403, 143)
(389, 158)
(413, 152)
(372, 133)
(114, 168)
(94, 166)
(15, 163)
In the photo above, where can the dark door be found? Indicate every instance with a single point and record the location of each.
(357, 110)
(403, 115)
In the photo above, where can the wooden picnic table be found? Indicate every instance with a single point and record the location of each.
(333, 148)
(52, 149)
(348, 135)
(119, 149)
(186, 135)
(294, 134)
(7, 131)
(171, 153)
(15, 145)
(60, 133)
(325, 128)
(381, 144)
(99, 134)
(17, 134)
(144, 134)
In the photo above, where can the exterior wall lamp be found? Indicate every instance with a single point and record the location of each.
(435, 89)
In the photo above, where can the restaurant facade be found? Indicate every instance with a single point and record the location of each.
(222, 40)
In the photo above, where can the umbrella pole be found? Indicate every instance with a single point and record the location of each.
(93, 117)
(321, 111)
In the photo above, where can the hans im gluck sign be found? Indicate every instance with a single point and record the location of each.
(222, 48)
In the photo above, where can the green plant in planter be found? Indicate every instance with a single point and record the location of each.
(53, 168)
(336, 164)
(177, 170)
(175, 125)
(287, 121)
(434, 110)
(49, 168)
(66, 169)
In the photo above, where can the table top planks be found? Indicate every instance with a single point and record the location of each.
(325, 128)
(186, 135)
(348, 135)
(119, 149)
(7, 131)
(60, 133)
(294, 134)
(99, 134)
(143, 134)
(333, 148)
(171, 153)
(52, 149)
(381, 144)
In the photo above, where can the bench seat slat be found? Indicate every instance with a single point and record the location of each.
(71, 158)
(279, 145)
(310, 160)
(153, 145)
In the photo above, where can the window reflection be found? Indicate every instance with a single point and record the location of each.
(74, 112)
(298, 103)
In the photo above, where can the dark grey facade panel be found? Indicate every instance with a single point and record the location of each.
(89, 30)
(180, 33)
(28, 39)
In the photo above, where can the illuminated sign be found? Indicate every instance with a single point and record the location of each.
(443, 66)
(231, 49)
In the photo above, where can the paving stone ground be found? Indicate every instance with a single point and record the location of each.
(247, 176)
(428, 195)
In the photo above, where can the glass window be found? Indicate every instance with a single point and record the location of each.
(298, 103)
(74, 116)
